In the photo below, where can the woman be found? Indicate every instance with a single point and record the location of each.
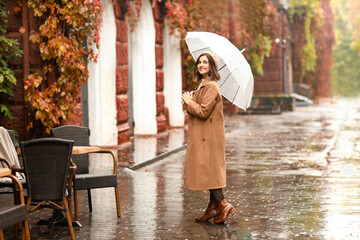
(205, 153)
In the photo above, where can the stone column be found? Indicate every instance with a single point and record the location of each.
(101, 84)
(122, 76)
(159, 59)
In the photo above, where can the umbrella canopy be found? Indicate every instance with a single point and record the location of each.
(237, 81)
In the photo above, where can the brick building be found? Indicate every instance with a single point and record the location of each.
(135, 87)
(126, 89)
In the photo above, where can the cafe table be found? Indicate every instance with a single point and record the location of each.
(85, 149)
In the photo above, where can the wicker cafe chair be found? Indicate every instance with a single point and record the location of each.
(11, 214)
(12, 135)
(84, 180)
(47, 163)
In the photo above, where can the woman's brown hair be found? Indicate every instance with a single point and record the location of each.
(213, 72)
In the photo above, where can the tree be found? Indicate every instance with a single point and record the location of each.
(353, 8)
(345, 72)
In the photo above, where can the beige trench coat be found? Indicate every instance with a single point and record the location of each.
(205, 154)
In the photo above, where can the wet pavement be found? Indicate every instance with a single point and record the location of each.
(290, 176)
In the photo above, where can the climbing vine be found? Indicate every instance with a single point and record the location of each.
(183, 18)
(311, 11)
(9, 51)
(132, 12)
(66, 27)
(256, 21)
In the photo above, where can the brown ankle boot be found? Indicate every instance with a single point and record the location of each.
(225, 209)
(211, 211)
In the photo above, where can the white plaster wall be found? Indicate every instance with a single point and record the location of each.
(142, 51)
(172, 78)
(101, 84)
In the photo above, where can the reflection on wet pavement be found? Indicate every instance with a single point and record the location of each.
(294, 175)
(290, 176)
(145, 148)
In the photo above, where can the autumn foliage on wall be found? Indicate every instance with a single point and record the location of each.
(254, 28)
(312, 56)
(195, 15)
(255, 23)
(66, 28)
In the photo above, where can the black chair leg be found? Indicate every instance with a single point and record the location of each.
(89, 199)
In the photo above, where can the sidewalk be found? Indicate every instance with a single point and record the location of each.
(144, 150)
(290, 176)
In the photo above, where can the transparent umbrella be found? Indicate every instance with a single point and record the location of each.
(237, 81)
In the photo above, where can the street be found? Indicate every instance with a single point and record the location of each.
(290, 176)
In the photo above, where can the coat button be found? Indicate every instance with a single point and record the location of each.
(194, 122)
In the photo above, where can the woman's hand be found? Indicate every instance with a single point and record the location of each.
(187, 97)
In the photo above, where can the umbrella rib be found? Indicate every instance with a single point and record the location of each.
(235, 94)
(200, 49)
(225, 79)
(222, 67)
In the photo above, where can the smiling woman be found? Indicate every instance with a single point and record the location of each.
(205, 154)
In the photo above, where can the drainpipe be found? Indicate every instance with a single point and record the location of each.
(26, 63)
(85, 95)
(284, 66)
(232, 22)
(283, 44)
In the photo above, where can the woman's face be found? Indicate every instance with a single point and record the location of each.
(203, 66)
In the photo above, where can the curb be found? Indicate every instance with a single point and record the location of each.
(157, 158)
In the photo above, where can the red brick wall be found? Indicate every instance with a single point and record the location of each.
(16, 103)
(159, 59)
(319, 81)
(299, 42)
(76, 119)
(230, 31)
(272, 80)
(122, 76)
(324, 41)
